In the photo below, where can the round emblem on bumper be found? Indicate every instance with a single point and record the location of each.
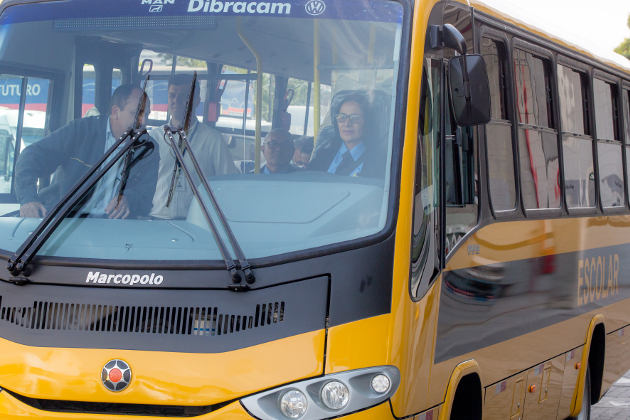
(116, 375)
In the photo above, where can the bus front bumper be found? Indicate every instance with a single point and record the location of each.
(13, 409)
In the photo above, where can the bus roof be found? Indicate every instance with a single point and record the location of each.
(532, 22)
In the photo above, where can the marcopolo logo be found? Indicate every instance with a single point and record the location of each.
(215, 6)
(124, 279)
(315, 7)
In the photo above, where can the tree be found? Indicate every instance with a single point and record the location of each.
(624, 47)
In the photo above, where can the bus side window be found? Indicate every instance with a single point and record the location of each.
(27, 120)
(626, 118)
(577, 142)
(537, 137)
(460, 174)
(608, 144)
(499, 145)
(424, 252)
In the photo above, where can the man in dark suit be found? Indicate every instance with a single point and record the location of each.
(75, 148)
(278, 149)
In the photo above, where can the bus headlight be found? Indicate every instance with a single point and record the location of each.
(323, 397)
(335, 395)
(380, 384)
(293, 404)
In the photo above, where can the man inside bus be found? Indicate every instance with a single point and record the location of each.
(207, 144)
(278, 150)
(350, 148)
(76, 147)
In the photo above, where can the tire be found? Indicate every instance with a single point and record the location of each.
(585, 413)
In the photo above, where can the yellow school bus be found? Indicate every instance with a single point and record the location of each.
(451, 248)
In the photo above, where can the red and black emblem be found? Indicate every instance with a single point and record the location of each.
(116, 375)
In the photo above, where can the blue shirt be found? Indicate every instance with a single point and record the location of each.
(356, 153)
(105, 189)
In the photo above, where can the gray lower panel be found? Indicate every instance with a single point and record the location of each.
(190, 321)
(485, 305)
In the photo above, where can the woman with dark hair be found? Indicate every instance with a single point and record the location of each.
(350, 149)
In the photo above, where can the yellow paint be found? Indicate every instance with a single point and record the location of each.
(316, 87)
(576, 405)
(413, 324)
(466, 368)
(538, 238)
(160, 377)
(259, 78)
(358, 344)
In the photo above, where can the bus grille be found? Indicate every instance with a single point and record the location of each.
(177, 320)
(201, 321)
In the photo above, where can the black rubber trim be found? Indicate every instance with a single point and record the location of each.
(118, 409)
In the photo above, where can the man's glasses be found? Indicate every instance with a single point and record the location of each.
(354, 118)
(275, 145)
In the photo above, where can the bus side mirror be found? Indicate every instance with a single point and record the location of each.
(470, 90)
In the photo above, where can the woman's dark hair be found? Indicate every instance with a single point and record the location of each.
(362, 99)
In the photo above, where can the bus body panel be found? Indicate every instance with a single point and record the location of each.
(358, 344)
(540, 304)
(202, 379)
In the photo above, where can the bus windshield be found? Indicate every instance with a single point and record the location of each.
(292, 123)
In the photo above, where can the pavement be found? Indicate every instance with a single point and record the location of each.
(616, 402)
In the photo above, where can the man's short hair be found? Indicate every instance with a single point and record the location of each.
(280, 133)
(182, 79)
(121, 95)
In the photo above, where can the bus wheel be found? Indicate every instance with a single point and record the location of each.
(585, 412)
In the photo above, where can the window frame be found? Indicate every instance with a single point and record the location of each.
(625, 107)
(617, 126)
(544, 54)
(589, 118)
(53, 114)
(508, 70)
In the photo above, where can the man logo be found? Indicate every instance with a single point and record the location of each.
(315, 7)
(116, 375)
(155, 9)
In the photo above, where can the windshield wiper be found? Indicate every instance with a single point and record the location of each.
(184, 145)
(19, 263)
(130, 160)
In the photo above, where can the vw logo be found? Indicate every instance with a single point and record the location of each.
(315, 7)
(116, 375)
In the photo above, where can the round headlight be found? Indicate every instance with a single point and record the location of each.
(335, 395)
(293, 404)
(380, 384)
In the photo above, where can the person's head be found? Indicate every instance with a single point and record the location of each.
(178, 91)
(278, 149)
(350, 120)
(123, 107)
(303, 150)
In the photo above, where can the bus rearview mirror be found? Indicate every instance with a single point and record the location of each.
(470, 90)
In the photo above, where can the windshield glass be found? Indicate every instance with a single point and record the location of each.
(292, 123)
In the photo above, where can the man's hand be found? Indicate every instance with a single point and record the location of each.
(118, 212)
(33, 209)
